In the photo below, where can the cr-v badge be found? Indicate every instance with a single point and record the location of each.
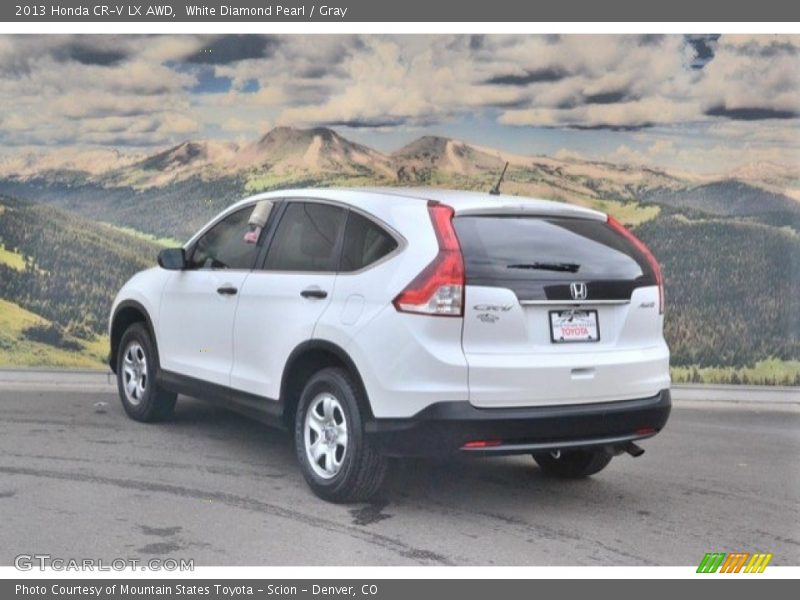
(486, 311)
(493, 307)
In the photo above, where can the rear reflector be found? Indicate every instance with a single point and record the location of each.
(481, 444)
(439, 289)
(645, 251)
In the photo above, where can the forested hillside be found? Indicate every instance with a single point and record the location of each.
(71, 268)
(176, 211)
(732, 287)
(731, 198)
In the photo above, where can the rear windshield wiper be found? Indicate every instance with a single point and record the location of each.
(544, 266)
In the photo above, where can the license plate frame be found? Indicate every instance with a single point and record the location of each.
(574, 311)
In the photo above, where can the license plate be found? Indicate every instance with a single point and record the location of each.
(573, 326)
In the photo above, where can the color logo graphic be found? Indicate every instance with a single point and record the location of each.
(734, 562)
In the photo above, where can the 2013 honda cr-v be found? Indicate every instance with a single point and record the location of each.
(396, 322)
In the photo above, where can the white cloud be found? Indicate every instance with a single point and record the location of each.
(753, 73)
(135, 90)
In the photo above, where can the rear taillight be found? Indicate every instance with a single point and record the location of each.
(651, 260)
(439, 288)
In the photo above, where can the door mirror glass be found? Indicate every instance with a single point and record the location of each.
(173, 259)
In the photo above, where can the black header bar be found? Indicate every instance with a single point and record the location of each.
(464, 11)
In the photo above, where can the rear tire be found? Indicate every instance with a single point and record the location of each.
(336, 459)
(573, 464)
(137, 365)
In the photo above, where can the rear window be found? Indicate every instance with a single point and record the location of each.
(538, 257)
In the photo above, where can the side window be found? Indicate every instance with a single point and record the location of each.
(306, 238)
(224, 245)
(364, 243)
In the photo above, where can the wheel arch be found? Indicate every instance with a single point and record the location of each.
(308, 358)
(127, 313)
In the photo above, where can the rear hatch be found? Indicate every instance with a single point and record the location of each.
(558, 310)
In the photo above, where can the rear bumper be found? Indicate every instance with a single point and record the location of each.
(445, 427)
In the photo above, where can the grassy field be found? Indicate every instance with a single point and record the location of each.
(12, 259)
(765, 372)
(164, 242)
(18, 351)
(267, 181)
(629, 213)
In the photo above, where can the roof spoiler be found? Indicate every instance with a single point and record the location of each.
(567, 211)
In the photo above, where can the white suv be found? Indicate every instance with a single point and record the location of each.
(395, 322)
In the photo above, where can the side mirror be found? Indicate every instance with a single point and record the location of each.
(173, 259)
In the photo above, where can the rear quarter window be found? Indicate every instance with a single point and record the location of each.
(365, 242)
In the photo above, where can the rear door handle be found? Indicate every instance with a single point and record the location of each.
(314, 292)
(227, 290)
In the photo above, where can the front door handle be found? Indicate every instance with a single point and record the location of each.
(314, 292)
(227, 290)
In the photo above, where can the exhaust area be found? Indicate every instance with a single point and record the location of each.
(634, 450)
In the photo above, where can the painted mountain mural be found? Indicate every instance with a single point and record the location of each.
(75, 224)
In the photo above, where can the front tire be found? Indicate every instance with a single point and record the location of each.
(137, 364)
(336, 459)
(573, 464)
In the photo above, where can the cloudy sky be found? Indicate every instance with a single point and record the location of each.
(695, 103)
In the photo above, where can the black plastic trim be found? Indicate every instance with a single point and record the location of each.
(261, 408)
(620, 289)
(339, 353)
(443, 428)
(542, 289)
(112, 355)
(529, 448)
(269, 232)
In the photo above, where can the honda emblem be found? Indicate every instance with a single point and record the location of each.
(578, 291)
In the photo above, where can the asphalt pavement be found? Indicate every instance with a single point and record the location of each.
(79, 479)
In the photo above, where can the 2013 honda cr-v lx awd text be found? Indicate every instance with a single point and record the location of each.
(378, 323)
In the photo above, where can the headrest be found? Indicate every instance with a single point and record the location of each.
(260, 213)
